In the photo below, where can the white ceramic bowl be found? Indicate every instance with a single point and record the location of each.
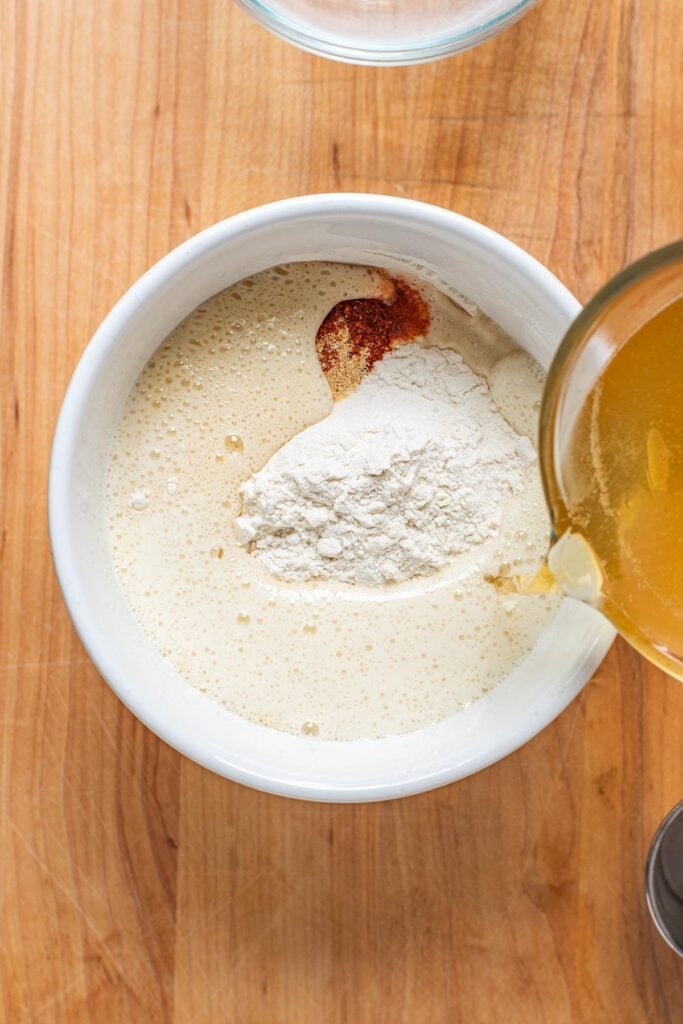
(505, 282)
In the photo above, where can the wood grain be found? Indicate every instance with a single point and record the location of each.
(136, 887)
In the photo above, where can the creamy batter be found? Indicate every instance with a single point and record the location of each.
(228, 387)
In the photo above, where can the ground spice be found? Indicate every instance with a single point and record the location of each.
(357, 333)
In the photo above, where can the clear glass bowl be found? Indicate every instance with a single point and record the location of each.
(605, 325)
(386, 32)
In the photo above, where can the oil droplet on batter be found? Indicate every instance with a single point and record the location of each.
(217, 551)
(310, 628)
(234, 443)
(155, 453)
(172, 486)
(310, 729)
(243, 618)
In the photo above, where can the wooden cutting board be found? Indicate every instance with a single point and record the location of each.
(137, 887)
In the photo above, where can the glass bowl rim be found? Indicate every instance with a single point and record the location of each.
(396, 56)
(575, 337)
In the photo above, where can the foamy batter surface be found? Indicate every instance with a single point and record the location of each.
(229, 386)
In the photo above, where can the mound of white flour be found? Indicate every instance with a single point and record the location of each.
(411, 469)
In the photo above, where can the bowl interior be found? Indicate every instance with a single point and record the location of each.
(449, 251)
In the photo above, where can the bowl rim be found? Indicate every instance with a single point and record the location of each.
(436, 48)
(652, 898)
(104, 340)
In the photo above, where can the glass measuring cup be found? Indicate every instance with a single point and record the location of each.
(611, 457)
